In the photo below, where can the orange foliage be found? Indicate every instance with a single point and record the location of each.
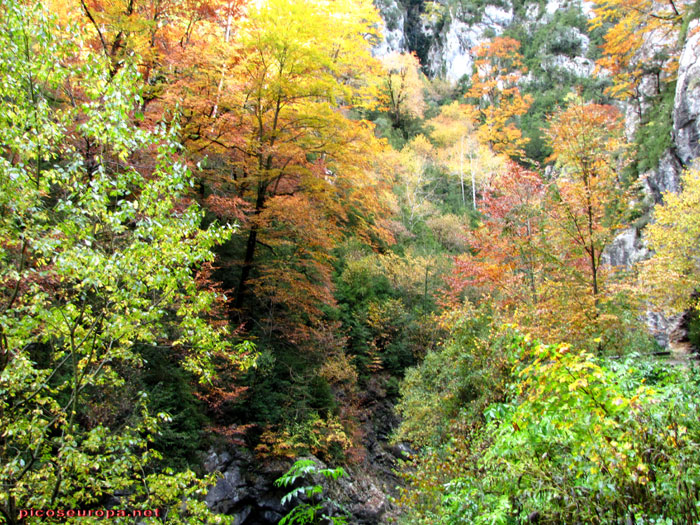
(586, 211)
(259, 92)
(587, 143)
(498, 70)
(642, 39)
(538, 252)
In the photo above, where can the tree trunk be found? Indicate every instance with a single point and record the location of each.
(250, 247)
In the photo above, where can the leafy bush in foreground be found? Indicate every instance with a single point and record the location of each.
(580, 440)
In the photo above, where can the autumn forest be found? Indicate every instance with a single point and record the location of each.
(349, 262)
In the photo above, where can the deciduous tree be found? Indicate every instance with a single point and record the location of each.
(672, 276)
(401, 88)
(587, 207)
(498, 68)
(505, 264)
(280, 137)
(459, 150)
(641, 40)
(98, 258)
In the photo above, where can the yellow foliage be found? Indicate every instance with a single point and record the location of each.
(499, 68)
(401, 88)
(338, 368)
(322, 437)
(640, 32)
(672, 275)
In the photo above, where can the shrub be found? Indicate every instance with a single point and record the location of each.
(586, 441)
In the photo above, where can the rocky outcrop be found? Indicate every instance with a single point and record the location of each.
(626, 250)
(665, 178)
(667, 328)
(444, 38)
(686, 122)
(686, 107)
(246, 490)
(450, 51)
(393, 28)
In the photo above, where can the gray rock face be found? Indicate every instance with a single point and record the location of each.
(444, 41)
(227, 492)
(450, 56)
(625, 250)
(653, 56)
(368, 502)
(246, 487)
(665, 178)
(686, 107)
(393, 28)
(248, 493)
(244, 490)
(665, 329)
(578, 66)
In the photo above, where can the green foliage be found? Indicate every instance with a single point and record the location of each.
(694, 329)
(653, 136)
(397, 137)
(314, 509)
(385, 303)
(170, 391)
(456, 381)
(284, 389)
(579, 439)
(98, 259)
(564, 35)
(472, 372)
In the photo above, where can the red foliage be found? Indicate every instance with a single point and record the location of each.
(503, 263)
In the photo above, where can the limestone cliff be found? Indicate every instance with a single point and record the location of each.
(443, 33)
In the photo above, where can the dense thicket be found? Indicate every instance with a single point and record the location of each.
(101, 264)
(191, 188)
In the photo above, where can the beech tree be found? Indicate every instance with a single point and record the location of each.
(401, 89)
(587, 143)
(640, 38)
(260, 92)
(672, 276)
(586, 208)
(167, 36)
(288, 151)
(498, 68)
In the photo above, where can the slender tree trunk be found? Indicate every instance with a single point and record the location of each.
(471, 170)
(461, 170)
(250, 247)
(227, 37)
(591, 245)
